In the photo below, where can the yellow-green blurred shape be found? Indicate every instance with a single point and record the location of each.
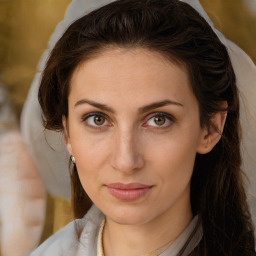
(58, 214)
(236, 20)
(25, 28)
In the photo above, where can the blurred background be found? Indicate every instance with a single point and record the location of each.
(26, 26)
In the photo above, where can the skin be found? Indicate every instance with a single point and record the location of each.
(131, 145)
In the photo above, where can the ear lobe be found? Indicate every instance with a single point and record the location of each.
(66, 135)
(212, 134)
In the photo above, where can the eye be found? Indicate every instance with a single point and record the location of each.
(99, 120)
(95, 120)
(160, 120)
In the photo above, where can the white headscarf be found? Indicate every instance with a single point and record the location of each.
(48, 147)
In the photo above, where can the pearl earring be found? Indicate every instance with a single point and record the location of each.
(73, 160)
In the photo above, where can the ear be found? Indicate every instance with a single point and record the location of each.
(66, 135)
(211, 134)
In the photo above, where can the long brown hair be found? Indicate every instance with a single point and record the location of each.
(180, 34)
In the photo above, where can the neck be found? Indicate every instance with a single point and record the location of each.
(127, 240)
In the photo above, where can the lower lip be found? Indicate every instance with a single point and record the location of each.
(128, 194)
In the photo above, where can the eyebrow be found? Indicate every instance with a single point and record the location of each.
(94, 104)
(158, 105)
(140, 111)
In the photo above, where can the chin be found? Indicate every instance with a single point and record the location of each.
(128, 215)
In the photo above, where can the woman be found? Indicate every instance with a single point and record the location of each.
(146, 96)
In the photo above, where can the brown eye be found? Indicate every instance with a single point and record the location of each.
(159, 120)
(99, 120)
(95, 120)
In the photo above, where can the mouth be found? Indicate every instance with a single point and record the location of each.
(128, 192)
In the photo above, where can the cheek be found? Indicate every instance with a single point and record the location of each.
(91, 153)
(175, 165)
(172, 159)
(177, 149)
(88, 147)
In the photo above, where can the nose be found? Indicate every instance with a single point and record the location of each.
(126, 156)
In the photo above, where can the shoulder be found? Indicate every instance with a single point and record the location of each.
(64, 242)
(77, 238)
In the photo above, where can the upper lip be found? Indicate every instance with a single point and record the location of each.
(128, 186)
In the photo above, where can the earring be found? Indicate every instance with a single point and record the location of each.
(72, 159)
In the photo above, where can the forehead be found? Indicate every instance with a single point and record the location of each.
(119, 72)
(128, 59)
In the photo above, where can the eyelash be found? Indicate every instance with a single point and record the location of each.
(94, 114)
(168, 117)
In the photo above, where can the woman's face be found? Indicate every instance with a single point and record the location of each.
(134, 130)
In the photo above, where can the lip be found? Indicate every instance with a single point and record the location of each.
(128, 192)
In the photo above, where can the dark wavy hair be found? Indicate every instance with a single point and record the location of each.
(176, 31)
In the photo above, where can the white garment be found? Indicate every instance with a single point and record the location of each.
(66, 242)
